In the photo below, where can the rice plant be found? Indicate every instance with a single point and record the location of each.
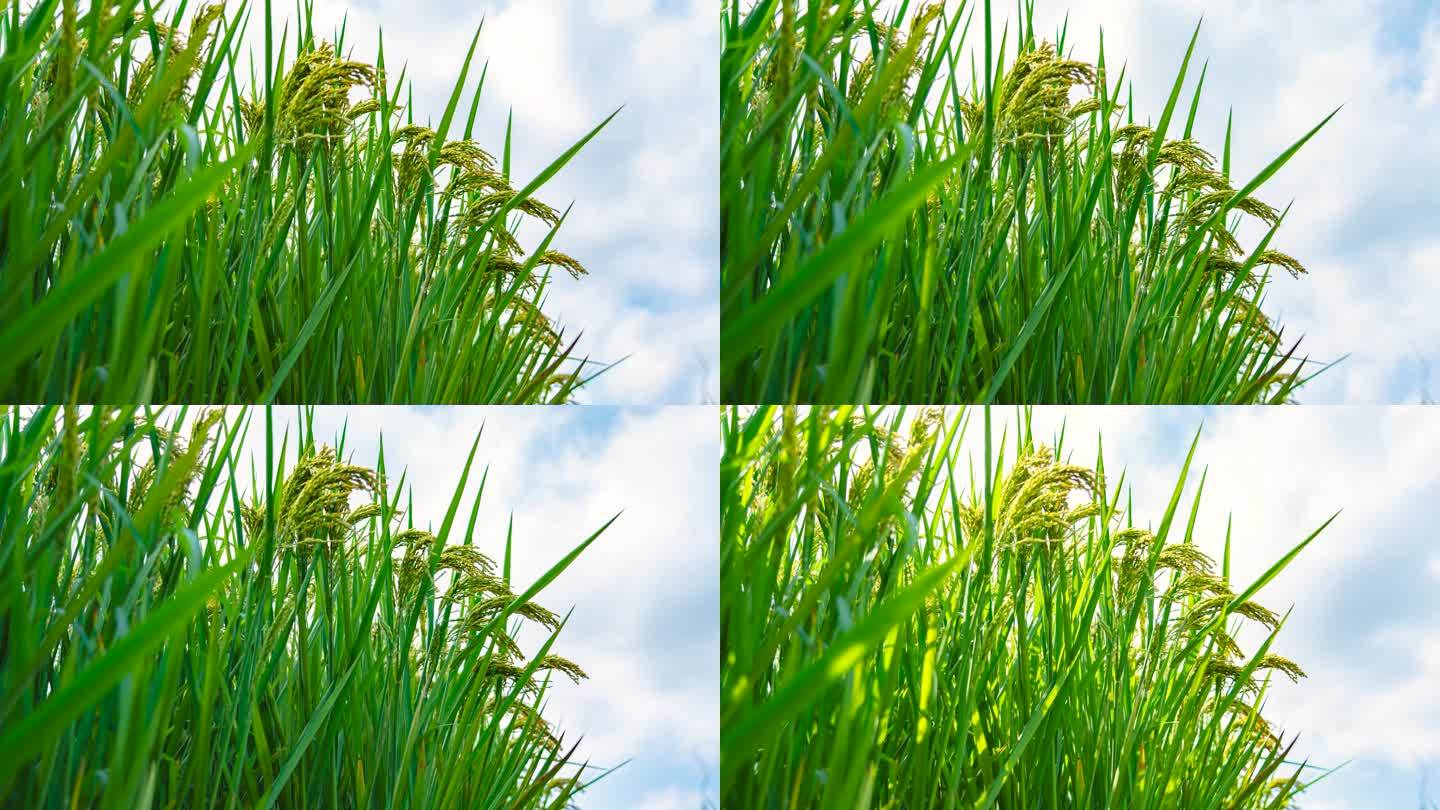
(173, 634)
(903, 626)
(182, 221)
(903, 224)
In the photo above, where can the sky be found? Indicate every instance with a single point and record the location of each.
(645, 595)
(646, 215)
(1364, 189)
(1365, 593)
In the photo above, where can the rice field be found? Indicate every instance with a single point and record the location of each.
(179, 631)
(905, 624)
(920, 204)
(186, 221)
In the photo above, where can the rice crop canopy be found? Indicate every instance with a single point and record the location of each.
(909, 215)
(900, 628)
(178, 227)
(172, 635)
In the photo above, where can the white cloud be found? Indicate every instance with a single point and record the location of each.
(529, 44)
(1327, 804)
(671, 799)
(646, 217)
(622, 12)
(653, 585)
(1395, 720)
(1430, 81)
(654, 350)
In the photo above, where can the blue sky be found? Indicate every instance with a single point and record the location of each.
(1365, 593)
(645, 595)
(646, 211)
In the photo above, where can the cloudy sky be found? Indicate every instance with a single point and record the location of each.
(646, 210)
(1364, 190)
(1365, 593)
(645, 594)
